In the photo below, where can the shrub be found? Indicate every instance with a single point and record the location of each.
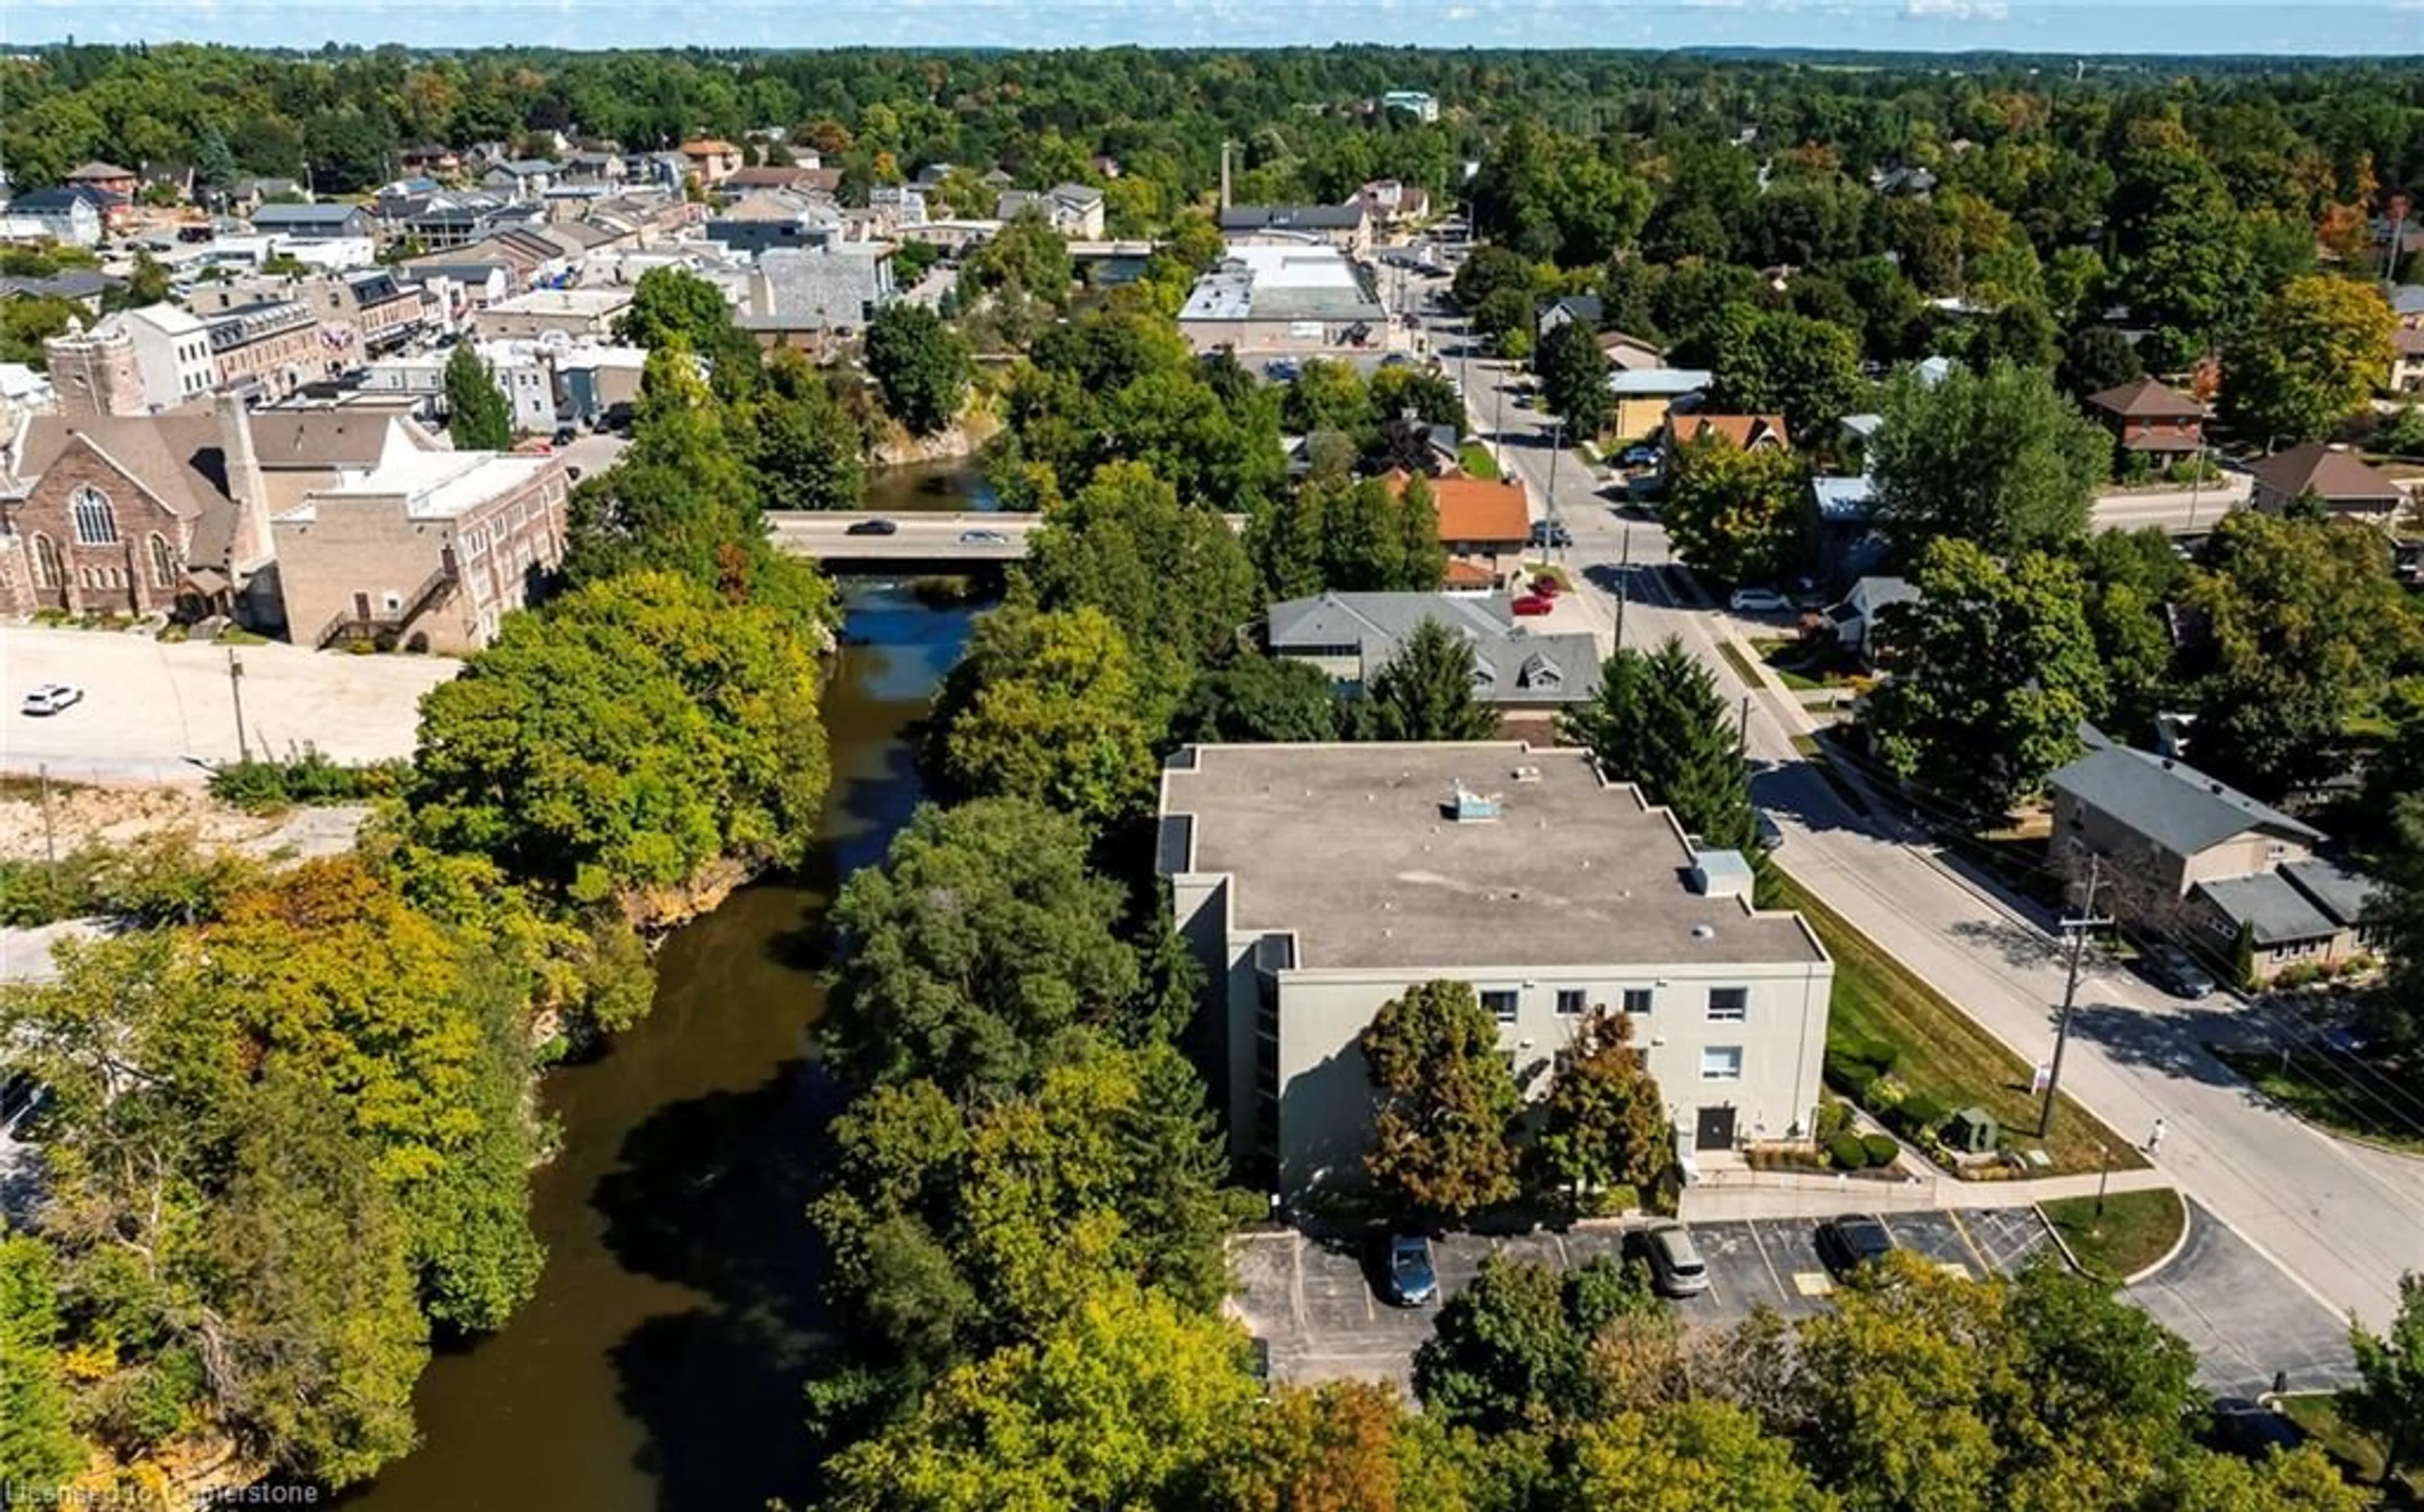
(1851, 1075)
(1886, 1093)
(307, 778)
(1919, 1115)
(1847, 1152)
(1834, 1118)
(1881, 1148)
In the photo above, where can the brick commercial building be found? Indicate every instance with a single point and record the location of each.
(367, 309)
(427, 551)
(269, 350)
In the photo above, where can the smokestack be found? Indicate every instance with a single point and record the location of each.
(1224, 174)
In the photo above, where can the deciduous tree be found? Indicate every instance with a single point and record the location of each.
(920, 364)
(1047, 707)
(1997, 457)
(2316, 347)
(2387, 1400)
(1442, 1138)
(1511, 1351)
(1994, 670)
(1603, 1124)
(966, 955)
(1736, 515)
(1259, 698)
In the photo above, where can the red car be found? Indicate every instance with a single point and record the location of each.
(1533, 604)
(1546, 587)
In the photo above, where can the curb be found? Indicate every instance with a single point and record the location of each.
(2071, 1259)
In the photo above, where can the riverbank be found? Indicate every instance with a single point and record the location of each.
(660, 1363)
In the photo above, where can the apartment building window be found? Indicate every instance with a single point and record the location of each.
(1721, 1062)
(1502, 1004)
(1637, 999)
(1728, 1005)
(1571, 1000)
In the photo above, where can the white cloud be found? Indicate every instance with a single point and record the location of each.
(1955, 11)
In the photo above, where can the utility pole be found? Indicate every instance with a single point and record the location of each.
(2078, 928)
(1623, 586)
(1498, 430)
(235, 687)
(50, 835)
(1742, 726)
(1556, 446)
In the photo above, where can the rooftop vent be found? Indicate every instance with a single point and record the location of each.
(1704, 931)
(1720, 874)
(1470, 807)
(1527, 775)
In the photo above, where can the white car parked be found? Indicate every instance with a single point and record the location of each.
(1758, 601)
(51, 697)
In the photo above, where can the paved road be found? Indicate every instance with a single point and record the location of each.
(1312, 1301)
(2179, 510)
(2344, 1220)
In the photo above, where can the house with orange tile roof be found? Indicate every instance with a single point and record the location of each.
(1483, 524)
(1749, 431)
(712, 159)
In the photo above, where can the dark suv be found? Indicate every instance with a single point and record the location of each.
(1856, 1239)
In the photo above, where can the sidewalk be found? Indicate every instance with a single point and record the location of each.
(1723, 1195)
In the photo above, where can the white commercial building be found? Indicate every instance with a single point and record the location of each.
(1316, 882)
(1282, 296)
(172, 351)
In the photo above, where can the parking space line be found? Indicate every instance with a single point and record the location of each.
(1760, 1244)
(1967, 1243)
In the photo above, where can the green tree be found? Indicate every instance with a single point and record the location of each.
(1026, 254)
(29, 321)
(1125, 1405)
(1573, 379)
(1175, 579)
(636, 734)
(920, 364)
(1258, 698)
(477, 417)
(1994, 670)
(683, 499)
(805, 451)
(1442, 1136)
(1685, 1457)
(675, 307)
(39, 1449)
(1045, 706)
(2095, 359)
(1775, 362)
(319, 1343)
(2387, 1400)
(1343, 1446)
(2396, 917)
(1603, 1124)
(1658, 721)
(1512, 1350)
(2130, 577)
(1735, 515)
(1425, 691)
(2304, 624)
(1997, 457)
(1328, 394)
(2316, 349)
(977, 945)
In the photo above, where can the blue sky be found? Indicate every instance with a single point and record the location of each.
(2374, 28)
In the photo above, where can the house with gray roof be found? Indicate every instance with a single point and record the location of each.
(1347, 227)
(2176, 852)
(1352, 636)
(326, 222)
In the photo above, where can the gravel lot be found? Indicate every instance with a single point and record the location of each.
(156, 713)
(1314, 1302)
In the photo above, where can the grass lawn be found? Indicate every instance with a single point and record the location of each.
(1788, 657)
(1942, 1053)
(2347, 1096)
(1477, 461)
(2359, 1456)
(2137, 1230)
(1741, 664)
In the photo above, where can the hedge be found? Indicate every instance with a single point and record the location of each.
(1848, 1152)
(1881, 1148)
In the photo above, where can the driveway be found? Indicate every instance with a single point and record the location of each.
(2342, 1219)
(1312, 1300)
(154, 712)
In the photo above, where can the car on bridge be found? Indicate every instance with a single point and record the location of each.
(984, 538)
(872, 527)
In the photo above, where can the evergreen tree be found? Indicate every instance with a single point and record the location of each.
(1423, 562)
(1426, 691)
(1573, 379)
(477, 416)
(1657, 719)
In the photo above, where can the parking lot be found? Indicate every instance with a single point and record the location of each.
(1312, 1301)
(152, 712)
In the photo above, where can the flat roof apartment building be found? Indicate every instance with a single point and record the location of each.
(1316, 882)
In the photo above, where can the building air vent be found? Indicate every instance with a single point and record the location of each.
(1469, 807)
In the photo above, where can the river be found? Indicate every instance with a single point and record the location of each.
(658, 1367)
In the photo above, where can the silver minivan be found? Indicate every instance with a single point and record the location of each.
(1675, 1263)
